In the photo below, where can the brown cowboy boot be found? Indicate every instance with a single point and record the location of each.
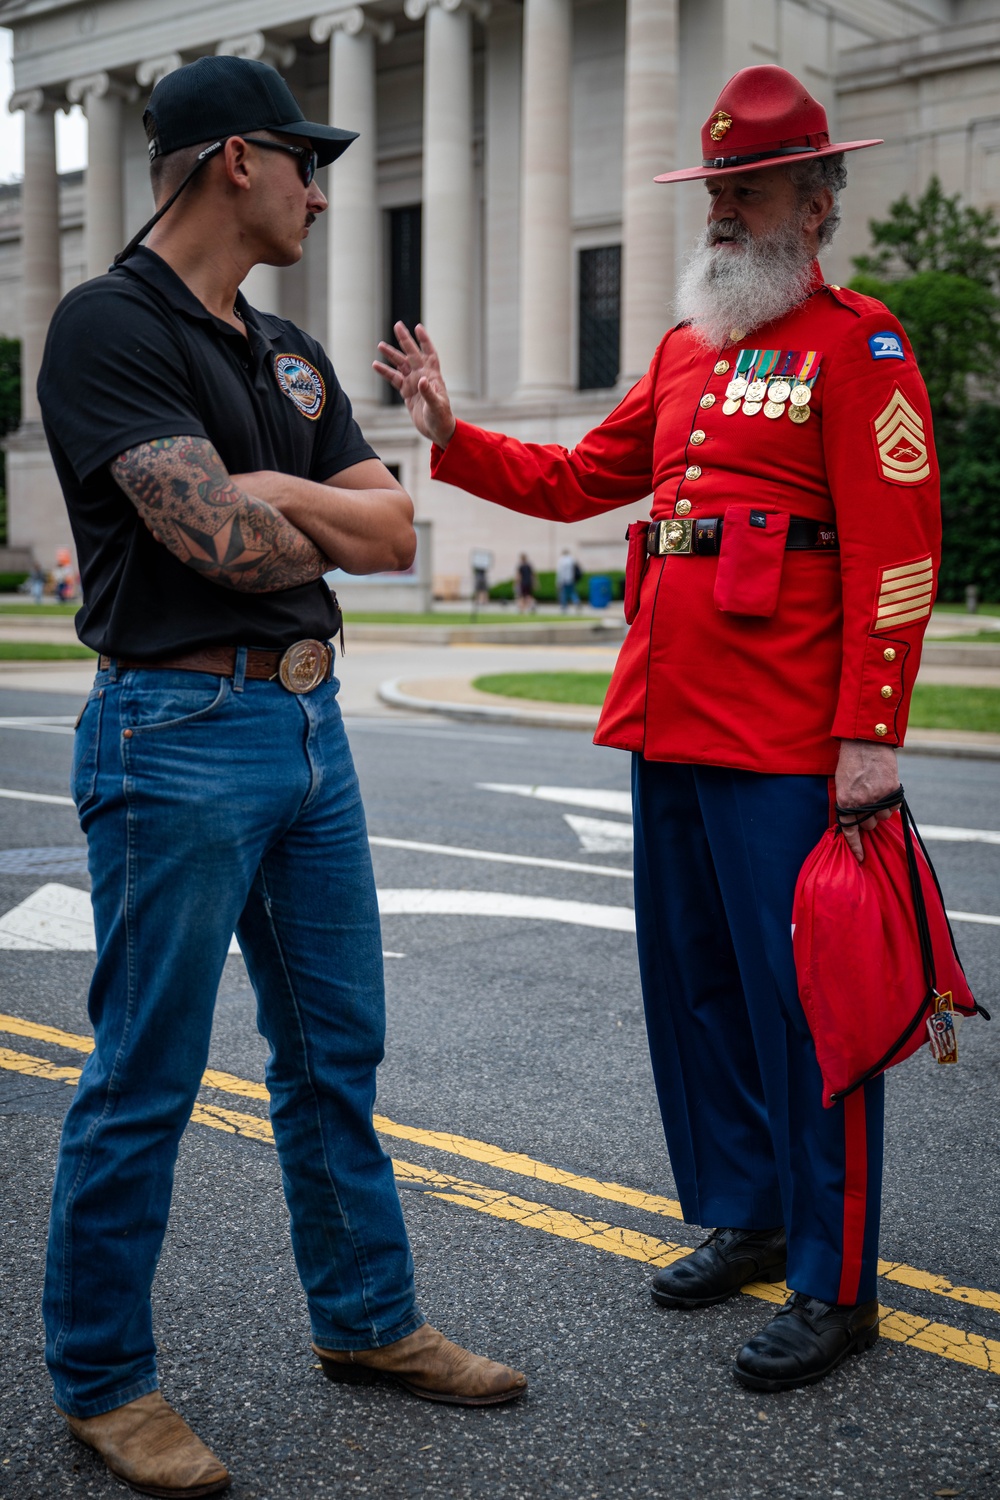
(428, 1365)
(154, 1450)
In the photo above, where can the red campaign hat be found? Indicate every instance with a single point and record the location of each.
(764, 117)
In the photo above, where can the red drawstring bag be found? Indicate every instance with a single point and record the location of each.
(874, 952)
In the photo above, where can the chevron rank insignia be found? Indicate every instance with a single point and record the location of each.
(905, 594)
(900, 442)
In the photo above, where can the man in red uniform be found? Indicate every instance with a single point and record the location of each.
(777, 603)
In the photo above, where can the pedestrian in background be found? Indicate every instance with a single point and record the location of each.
(525, 585)
(568, 575)
(777, 603)
(37, 581)
(213, 474)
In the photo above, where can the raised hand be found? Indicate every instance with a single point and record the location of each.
(415, 372)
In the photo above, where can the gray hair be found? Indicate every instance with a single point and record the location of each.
(810, 177)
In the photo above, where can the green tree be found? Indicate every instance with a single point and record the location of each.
(937, 233)
(936, 265)
(953, 323)
(970, 506)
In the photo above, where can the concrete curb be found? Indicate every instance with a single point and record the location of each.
(392, 694)
(543, 718)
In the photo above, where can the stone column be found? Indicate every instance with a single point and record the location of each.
(353, 296)
(648, 206)
(103, 224)
(449, 204)
(40, 272)
(546, 249)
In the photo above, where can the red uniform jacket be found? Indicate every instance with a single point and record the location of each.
(838, 656)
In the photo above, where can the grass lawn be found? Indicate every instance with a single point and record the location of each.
(44, 651)
(548, 687)
(41, 610)
(934, 707)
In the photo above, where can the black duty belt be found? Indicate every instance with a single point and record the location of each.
(685, 536)
(299, 668)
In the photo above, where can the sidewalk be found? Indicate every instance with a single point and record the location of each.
(456, 698)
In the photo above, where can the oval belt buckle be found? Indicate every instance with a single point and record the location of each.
(304, 666)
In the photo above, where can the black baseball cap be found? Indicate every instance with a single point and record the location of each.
(221, 96)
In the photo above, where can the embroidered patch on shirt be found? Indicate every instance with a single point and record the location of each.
(301, 382)
(900, 441)
(905, 594)
(886, 346)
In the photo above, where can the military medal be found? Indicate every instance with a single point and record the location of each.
(774, 409)
(779, 390)
(737, 387)
(801, 392)
(730, 407)
(751, 408)
(756, 390)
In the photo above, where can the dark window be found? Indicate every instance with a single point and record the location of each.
(404, 272)
(600, 316)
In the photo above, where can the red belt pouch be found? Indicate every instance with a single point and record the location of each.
(635, 567)
(750, 560)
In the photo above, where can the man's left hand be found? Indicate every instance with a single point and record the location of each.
(866, 772)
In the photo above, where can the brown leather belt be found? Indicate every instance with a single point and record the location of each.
(299, 668)
(702, 537)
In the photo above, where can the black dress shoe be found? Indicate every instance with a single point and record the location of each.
(805, 1341)
(727, 1260)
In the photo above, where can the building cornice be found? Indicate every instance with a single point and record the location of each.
(943, 50)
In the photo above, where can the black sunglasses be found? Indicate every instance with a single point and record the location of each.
(308, 160)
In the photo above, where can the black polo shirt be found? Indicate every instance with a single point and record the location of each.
(134, 356)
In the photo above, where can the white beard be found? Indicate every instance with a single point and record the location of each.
(719, 289)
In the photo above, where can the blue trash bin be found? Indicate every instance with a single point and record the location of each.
(600, 591)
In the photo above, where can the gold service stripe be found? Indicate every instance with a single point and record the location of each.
(917, 614)
(925, 565)
(900, 608)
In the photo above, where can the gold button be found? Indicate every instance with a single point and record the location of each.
(682, 508)
(693, 471)
(834, 287)
(881, 730)
(707, 401)
(887, 691)
(889, 654)
(736, 334)
(697, 436)
(722, 367)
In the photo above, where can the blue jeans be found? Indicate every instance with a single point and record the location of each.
(212, 804)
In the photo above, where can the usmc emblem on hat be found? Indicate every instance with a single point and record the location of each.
(721, 122)
(301, 382)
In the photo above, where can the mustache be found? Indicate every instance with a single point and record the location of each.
(727, 231)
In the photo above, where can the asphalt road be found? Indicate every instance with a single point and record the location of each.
(523, 1033)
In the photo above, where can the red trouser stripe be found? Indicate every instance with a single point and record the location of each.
(855, 1195)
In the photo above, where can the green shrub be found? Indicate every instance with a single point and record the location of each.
(547, 593)
(11, 582)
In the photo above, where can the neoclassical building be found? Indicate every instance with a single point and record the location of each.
(500, 190)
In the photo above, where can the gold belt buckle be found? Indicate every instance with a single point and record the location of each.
(305, 665)
(675, 536)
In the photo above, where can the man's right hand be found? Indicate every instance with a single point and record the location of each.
(415, 372)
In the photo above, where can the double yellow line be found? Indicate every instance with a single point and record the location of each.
(920, 1333)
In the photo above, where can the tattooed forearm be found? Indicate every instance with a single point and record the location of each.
(183, 493)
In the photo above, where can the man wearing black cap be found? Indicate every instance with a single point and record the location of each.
(213, 473)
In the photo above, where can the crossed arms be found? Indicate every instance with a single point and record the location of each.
(258, 533)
